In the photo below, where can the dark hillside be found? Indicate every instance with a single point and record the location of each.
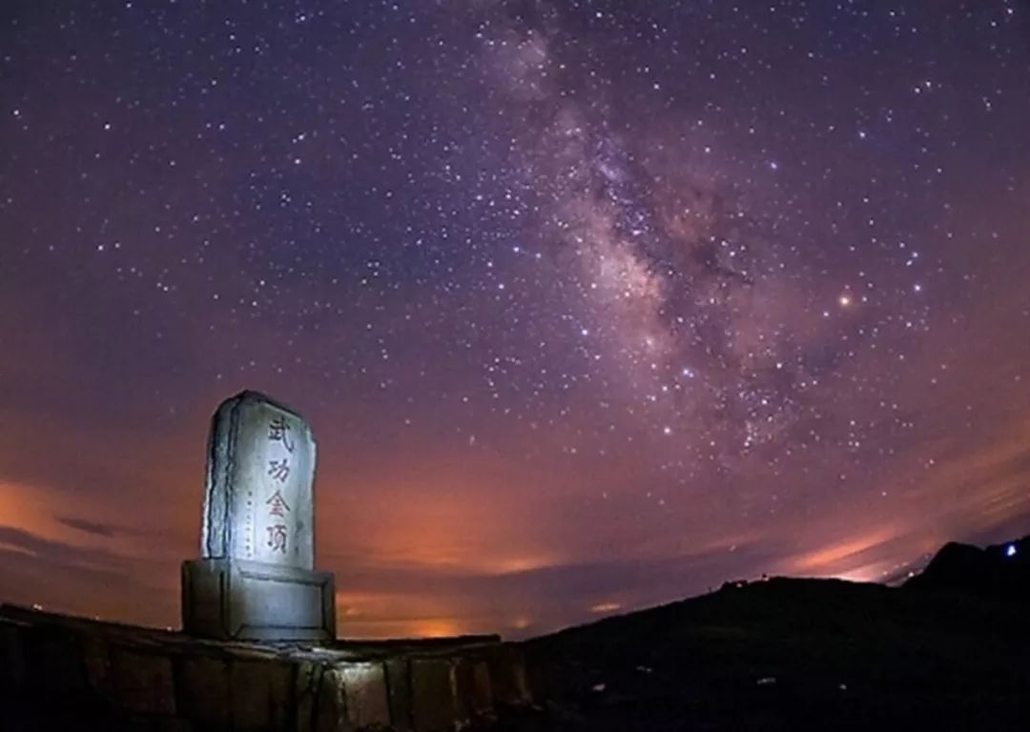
(793, 654)
(1001, 571)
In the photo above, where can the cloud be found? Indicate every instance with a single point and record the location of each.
(89, 527)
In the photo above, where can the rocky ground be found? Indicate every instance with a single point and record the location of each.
(950, 650)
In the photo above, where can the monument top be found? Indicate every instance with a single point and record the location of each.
(258, 500)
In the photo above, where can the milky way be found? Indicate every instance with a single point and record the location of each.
(591, 305)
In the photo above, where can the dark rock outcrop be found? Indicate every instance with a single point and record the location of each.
(998, 572)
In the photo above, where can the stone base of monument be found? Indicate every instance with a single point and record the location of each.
(59, 672)
(235, 599)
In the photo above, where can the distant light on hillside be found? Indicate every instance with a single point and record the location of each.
(1010, 551)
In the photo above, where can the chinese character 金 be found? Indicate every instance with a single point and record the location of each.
(279, 431)
(277, 504)
(277, 538)
(279, 469)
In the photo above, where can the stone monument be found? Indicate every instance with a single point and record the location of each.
(255, 579)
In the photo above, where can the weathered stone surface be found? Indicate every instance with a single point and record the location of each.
(432, 695)
(258, 501)
(154, 724)
(96, 659)
(307, 680)
(332, 703)
(398, 684)
(142, 682)
(12, 659)
(473, 692)
(365, 694)
(461, 685)
(53, 661)
(508, 675)
(260, 694)
(482, 688)
(174, 724)
(203, 691)
(225, 598)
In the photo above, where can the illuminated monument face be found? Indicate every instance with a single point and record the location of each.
(256, 577)
(258, 499)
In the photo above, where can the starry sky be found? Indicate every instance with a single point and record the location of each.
(591, 305)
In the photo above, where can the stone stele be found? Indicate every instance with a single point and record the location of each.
(255, 579)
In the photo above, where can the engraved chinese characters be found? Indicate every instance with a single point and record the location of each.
(261, 464)
(278, 509)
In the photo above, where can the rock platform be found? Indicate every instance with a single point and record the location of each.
(61, 672)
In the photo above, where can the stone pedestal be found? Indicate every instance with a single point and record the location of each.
(241, 600)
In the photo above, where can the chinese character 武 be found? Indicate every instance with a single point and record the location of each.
(277, 504)
(279, 469)
(279, 431)
(277, 538)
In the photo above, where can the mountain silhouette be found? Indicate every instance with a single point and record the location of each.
(1001, 571)
(948, 650)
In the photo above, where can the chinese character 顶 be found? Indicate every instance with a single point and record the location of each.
(278, 504)
(279, 431)
(277, 538)
(279, 469)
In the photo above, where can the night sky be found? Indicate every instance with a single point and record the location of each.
(591, 305)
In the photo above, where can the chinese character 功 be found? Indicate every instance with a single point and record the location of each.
(278, 504)
(279, 431)
(279, 469)
(277, 538)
